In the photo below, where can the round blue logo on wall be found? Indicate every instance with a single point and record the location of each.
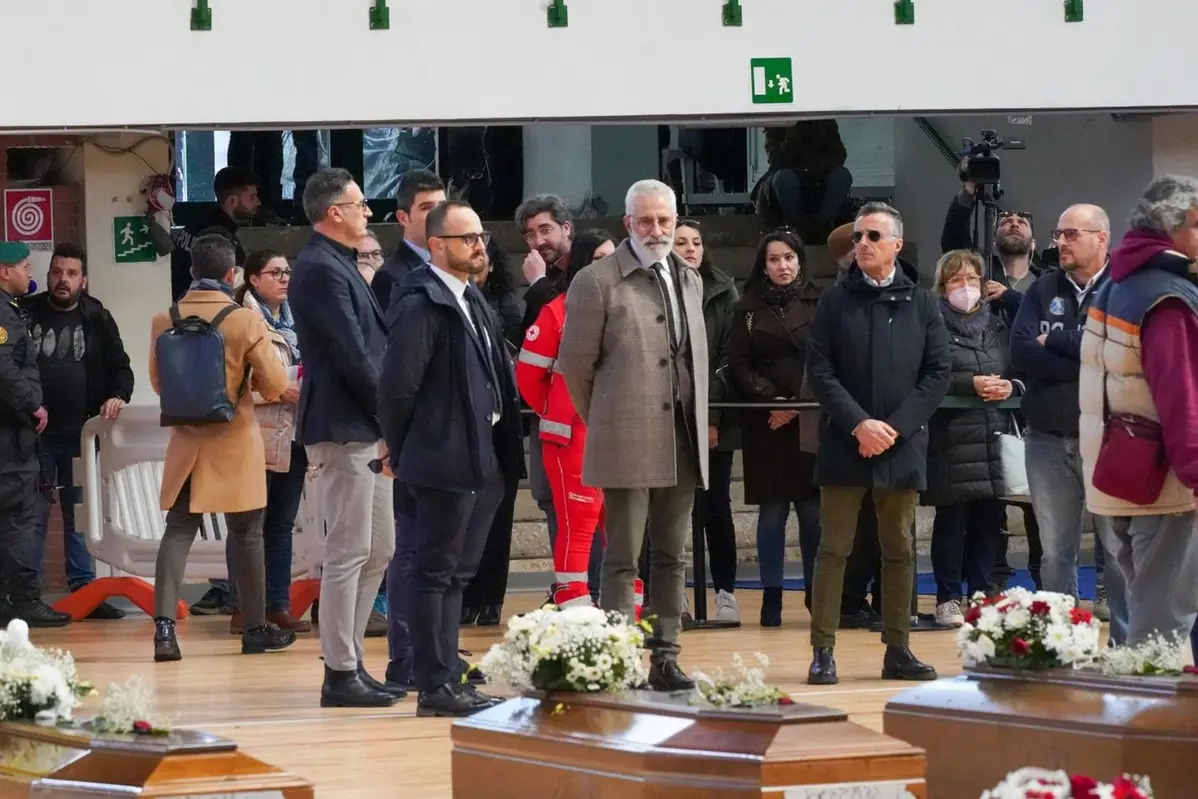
(1057, 307)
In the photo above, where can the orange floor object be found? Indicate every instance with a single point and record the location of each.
(82, 602)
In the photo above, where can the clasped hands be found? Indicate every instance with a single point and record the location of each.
(874, 437)
(992, 388)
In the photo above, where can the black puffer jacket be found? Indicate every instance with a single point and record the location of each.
(964, 463)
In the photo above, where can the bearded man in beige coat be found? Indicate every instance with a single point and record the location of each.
(219, 468)
(634, 358)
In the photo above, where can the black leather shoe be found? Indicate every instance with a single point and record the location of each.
(823, 667)
(490, 616)
(267, 638)
(448, 700)
(863, 619)
(398, 691)
(771, 607)
(166, 646)
(474, 675)
(485, 699)
(346, 689)
(399, 675)
(469, 616)
(106, 612)
(900, 664)
(666, 675)
(37, 613)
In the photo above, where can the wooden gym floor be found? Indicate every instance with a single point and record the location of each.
(270, 704)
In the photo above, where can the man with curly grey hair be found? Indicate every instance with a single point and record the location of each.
(1139, 407)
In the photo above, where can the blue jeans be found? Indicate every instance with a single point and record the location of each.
(1054, 475)
(771, 540)
(57, 452)
(284, 490)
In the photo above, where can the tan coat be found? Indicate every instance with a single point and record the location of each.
(613, 348)
(225, 461)
(276, 419)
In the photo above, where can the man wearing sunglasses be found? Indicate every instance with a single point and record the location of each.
(878, 363)
(1046, 347)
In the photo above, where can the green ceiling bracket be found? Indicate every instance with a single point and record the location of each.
(201, 16)
(904, 12)
(732, 14)
(380, 16)
(559, 15)
(1073, 11)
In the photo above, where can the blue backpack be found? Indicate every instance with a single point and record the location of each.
(190, 356)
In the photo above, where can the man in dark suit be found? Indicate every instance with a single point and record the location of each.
(450, 414)
(340, 328)
(420, 191)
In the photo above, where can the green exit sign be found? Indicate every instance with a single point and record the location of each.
(772, 80)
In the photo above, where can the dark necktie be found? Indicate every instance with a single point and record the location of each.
(661, 278)
(480, 327)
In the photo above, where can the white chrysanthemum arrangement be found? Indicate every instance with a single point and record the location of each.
(36, 684)
(745, 687)
(1039, 783)
(1157, 656)
(129, 709)
(1026, 630)
(574, 649)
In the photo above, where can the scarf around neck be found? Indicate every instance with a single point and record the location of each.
(969, 324)
(776, 296)
(284, 325)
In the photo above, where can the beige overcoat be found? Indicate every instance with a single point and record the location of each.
(225, 461)
(615, 358)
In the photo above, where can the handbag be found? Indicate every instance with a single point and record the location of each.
(1014, 464)
(1131, 463)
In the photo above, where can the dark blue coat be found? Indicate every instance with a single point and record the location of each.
(435, 392)
(341, 333)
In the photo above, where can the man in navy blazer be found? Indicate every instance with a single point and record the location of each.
(341, 332)
(451, 418)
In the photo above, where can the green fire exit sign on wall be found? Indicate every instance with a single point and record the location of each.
(772, 80)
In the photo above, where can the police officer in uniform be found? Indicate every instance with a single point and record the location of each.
(22, 418)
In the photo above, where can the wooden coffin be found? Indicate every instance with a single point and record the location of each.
(978, 727)
(647, 745)
(74, 763)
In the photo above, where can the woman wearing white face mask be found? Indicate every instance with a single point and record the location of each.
(965, 479)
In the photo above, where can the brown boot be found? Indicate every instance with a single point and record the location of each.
(285, 621)
(236, 625)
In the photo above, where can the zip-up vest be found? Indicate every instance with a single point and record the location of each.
(540, 384)
(1111, 354)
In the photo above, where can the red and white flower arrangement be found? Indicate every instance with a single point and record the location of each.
(1025, 630)
(1038, 783)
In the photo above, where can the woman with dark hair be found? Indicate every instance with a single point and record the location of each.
(577, 507)
(266, 277)
(767, 358)
(482, 599)
(497, 286)
(719, 309)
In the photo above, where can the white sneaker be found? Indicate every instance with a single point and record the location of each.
(948, 614)
(726, 608)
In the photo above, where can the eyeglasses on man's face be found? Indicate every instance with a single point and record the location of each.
(469, 239)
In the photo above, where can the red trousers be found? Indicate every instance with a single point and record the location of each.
(578, 508)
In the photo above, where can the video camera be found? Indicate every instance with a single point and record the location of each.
(981, 163)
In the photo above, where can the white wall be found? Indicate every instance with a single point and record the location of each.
(1074, 158)
(1175, 145)
(132, 292)
(136, 62)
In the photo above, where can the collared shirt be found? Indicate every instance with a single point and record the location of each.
(884, 282)
(646, 260)
(416, 248)
(1082, 291)
(458, 289)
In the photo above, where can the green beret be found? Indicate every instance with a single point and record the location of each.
(12, 253)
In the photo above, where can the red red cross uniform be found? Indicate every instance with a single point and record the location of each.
(579, 508)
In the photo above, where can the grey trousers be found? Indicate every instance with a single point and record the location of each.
(538, 482)
(356, 505)
(668, 512)
(244, 541)
(1158, 558)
